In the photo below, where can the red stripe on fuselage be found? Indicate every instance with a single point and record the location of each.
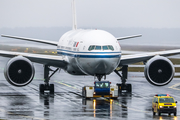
(77, 44)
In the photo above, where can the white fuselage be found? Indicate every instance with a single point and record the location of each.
(89, 52)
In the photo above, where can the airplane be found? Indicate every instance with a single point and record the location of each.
(86, 52)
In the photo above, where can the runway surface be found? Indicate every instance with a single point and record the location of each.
(25, 102)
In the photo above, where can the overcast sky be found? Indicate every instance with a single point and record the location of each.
(90, 13)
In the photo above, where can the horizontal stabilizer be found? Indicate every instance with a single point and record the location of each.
(128, 37)
(31, 39)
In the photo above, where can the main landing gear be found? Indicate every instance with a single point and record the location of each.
(123, 87)
(46, 86)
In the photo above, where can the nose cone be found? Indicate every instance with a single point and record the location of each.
(102, 66)
(95, 66)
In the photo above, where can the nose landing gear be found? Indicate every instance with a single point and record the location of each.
(123, 87)
(99, 77)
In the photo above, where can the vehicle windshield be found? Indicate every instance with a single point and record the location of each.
(102, 85)
(166, 100)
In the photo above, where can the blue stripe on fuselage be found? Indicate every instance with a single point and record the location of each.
(90, 56)
(88, 52)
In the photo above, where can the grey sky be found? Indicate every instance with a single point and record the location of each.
(90, 13)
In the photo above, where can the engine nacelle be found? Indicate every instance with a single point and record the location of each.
(159, 71)
(19, 71)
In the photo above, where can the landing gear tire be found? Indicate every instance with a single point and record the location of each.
(126, 87)
(41, 88)
(129, 88)
(51, 88)
(83, 92)
(46, 85)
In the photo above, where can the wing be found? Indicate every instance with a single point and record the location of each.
(128, 37)
(31, 39)
(50, 60)
(130, 59)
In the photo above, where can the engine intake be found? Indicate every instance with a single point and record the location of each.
(159, 71)
(19, 71)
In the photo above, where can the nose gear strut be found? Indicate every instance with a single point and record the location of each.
(99, 77)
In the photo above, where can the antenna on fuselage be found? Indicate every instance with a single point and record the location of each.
(74, 27)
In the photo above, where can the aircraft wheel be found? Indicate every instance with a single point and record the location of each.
(51, 88)
(129, 88)
(41, 88)
(83, 92)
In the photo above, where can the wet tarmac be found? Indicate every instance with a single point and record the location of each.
(19, 103)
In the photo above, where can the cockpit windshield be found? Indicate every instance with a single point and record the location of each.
(110, 47)
(105, 47)
(97, 47)
(91, 47)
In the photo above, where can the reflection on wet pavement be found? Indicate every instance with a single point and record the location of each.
(21, 103)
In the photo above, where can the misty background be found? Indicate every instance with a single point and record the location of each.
(157, 20)
(151, 36)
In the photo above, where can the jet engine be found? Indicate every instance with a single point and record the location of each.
(159, 71)
(19, 71)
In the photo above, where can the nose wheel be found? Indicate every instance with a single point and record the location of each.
(46, 86)
(123, 87)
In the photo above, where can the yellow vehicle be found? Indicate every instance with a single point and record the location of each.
(163, 103)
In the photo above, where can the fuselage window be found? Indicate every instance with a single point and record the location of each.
(98, 48)
(105, 48)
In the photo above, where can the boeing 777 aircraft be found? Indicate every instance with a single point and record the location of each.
(86, 52)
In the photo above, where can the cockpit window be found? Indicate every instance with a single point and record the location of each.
(110, 47)
(105, 48)
(91, 47)
(98, 48)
